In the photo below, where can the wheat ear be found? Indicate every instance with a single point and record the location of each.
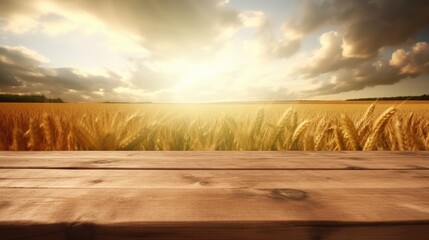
(379, 125)
(350, 132)
(300, 129)
(339, 139)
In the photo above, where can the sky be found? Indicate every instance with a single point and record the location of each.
(214, 50)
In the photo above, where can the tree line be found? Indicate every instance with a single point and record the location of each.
(28, 98)
(398, 98)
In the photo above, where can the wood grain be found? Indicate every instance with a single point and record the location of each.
(216, 160)
(59, 178)
(214, 195)
(111, 206)
(218, 230)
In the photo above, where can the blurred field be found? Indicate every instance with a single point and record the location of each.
(308, 125)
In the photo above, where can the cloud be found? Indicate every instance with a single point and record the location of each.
(165, 27)
(252, 18)
(19, 16)
(185, 27)
(274, 49)
(149, 79)
(21, 55)
(54, 24)
(284, 48)
(402, 64)
(21, 72)
(365, 75)
(310, 17)
(366, 25)
(350, 58)
(329, 57)
(17, 63)
(193, 46)
(267, 44)
(414, 62)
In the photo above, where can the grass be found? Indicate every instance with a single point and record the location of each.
(312, 126)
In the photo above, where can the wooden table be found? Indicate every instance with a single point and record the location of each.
(214, 195)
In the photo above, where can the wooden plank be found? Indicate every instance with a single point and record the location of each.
(217, 231)
(151, 205)
(304, 179)
(216, 160)
(202, 195)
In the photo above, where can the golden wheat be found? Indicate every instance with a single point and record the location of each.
(378, 128)
(339, 139)
(350, 132)
(326, 127)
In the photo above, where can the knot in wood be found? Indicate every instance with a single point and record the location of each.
(204, 183)
(4, 204)
(102, 161)
(288, 194)
(95, 181)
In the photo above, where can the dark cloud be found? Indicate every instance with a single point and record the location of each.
(9, 80)
(312, 15)
(21, 72)
(10, 7)
(402, 64)
(22, 56)
(414, 62)
(365, 75)
(329, 57)
(16, 64)
(366, 25)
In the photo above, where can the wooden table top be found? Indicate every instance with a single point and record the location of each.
(214, 195)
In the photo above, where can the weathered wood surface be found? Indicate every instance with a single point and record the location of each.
(216, 160)
(214, 195)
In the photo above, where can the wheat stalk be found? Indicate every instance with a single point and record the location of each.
(319, 139)
(350, 132)
(379, 125)
(366, 116)
(18, 141)
(339, 139)
(48, 127)
(298, 131)
(401, 137)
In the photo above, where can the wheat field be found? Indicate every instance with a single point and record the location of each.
(305, 126)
